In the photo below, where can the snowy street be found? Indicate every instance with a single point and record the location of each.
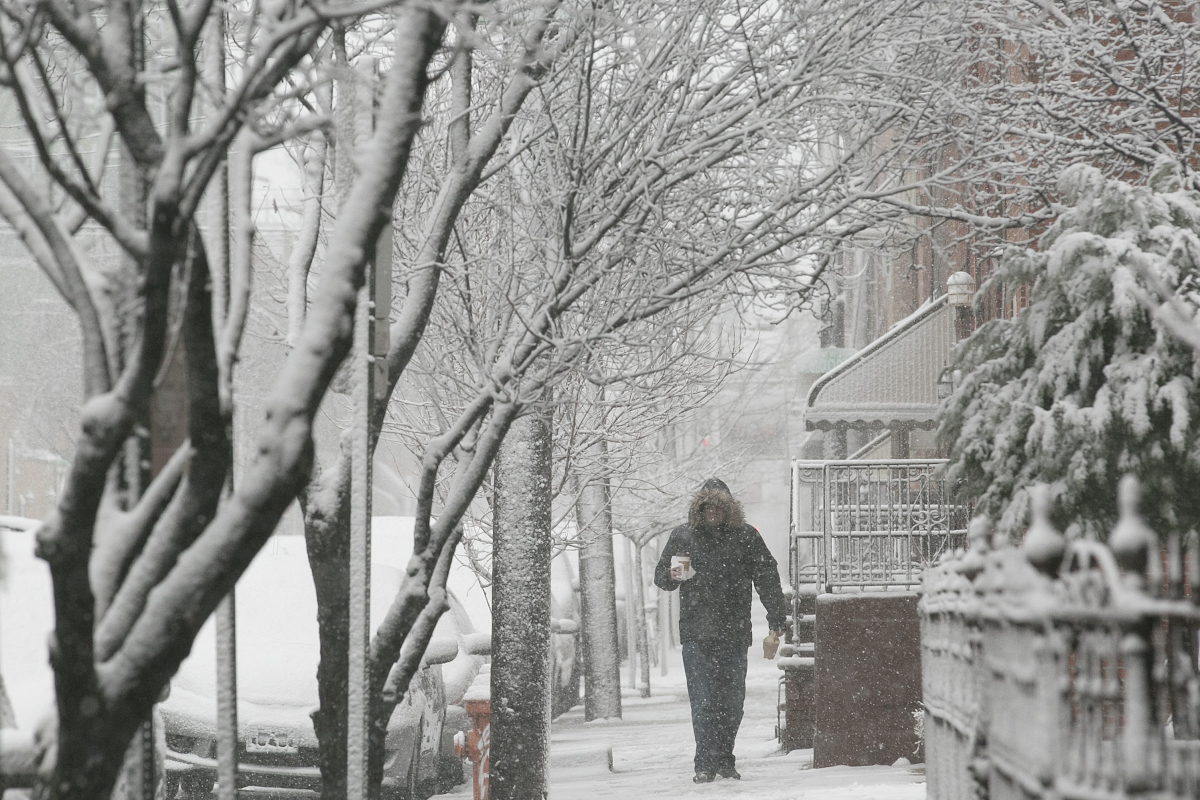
(652, 751)
(384, 383)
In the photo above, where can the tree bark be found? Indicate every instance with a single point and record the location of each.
(598, 596)
(329, 558)
(639, 617)
(521, 613)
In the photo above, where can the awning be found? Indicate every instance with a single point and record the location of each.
(890, 383)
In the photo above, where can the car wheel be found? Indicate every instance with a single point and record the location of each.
(413, 787)
(411, 790)
(450, 773)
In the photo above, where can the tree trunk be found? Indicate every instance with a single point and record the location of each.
(639, 617)
(631, 651)
(327, 520)
(598, 597)
(329, 558)
(137, 777)
(521, 613)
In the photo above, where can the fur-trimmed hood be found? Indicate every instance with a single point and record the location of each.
(715, 492)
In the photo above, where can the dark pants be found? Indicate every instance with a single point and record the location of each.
(716, 681)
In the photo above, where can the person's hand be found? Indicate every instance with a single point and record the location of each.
(677, 573)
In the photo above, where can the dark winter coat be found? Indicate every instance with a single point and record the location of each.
(715, 603)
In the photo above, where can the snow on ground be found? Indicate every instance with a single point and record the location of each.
(652, 751)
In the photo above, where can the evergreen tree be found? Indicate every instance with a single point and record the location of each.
(1086, 384)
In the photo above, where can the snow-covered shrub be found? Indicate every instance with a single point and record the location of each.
(1084, 384)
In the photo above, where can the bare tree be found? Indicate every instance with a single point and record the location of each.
(669, 164)
(642, 165)
(1012, 94)
(172, 556)
(435, 199)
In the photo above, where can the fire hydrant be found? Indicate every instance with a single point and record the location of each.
(477, 743)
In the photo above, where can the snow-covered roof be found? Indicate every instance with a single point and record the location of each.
(820, 360)
(892, 382)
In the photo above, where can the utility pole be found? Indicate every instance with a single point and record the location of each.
(218, 247)
(369, 355)
(631, 648)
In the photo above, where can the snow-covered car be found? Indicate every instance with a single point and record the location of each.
(468, 621)
(277, 660)
(564, 618)
(392, 540)
(278, 651)
(26, 620)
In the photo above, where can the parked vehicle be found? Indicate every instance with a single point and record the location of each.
(277, 661)
(26, 620)
(476, 597)
(278, 651)
(26, 677)
(564, 637)
(468, 622)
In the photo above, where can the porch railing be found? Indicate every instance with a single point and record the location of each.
(874, 523)
(1063, 670)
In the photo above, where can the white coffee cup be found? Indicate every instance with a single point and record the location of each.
(686, 563)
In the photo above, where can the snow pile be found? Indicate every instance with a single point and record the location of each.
(1084, 384)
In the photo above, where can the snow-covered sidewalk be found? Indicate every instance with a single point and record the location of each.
(652, 751)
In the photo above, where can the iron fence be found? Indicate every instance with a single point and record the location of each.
(874, 523)
(1063, 670)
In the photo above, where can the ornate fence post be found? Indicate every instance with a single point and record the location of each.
(1181, 645)
(1044, 548)
(979, 543)
(1185, 681)
(1135, 548)
(1044, 545)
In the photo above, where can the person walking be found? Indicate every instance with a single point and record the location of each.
(714, 560)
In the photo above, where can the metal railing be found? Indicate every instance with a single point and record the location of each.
(875, 523)
(1063, 670)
